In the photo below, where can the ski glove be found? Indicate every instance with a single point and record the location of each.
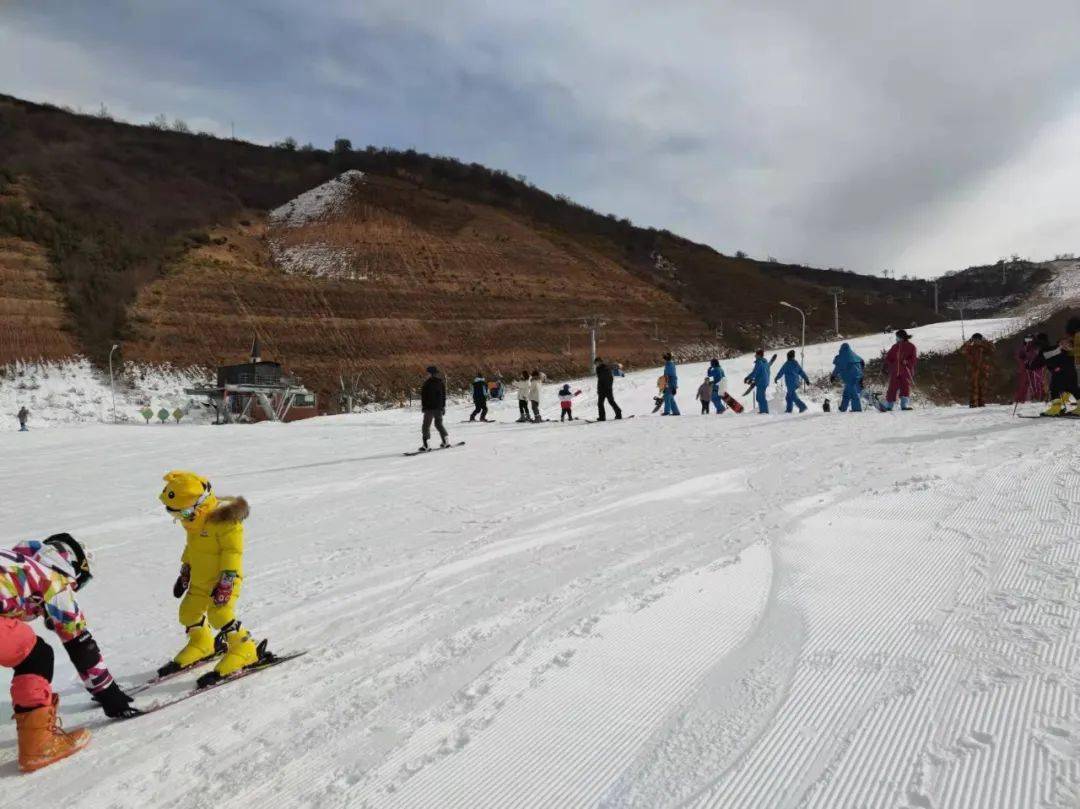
(182, 581)
(115, 703)
(224, 589)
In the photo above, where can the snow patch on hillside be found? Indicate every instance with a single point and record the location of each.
(319, 260)
(74, 392)
(317, 203)
(1059, 292)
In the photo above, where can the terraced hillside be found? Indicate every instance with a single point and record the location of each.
(396, 278)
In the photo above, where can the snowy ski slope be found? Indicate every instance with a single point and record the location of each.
(826, 610)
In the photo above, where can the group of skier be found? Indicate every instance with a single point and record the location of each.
(1036, 356)
(40, 579)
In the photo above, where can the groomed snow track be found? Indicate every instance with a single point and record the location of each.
(875, 610)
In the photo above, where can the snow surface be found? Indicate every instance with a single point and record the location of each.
(73, 392)
(826, 610)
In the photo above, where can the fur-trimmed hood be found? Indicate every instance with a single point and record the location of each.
(229, 509)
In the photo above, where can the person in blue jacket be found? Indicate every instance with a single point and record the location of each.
(792, 372)
(671, 407)
(760, 377)
(716, 373)
(479, 397)
(849, 367)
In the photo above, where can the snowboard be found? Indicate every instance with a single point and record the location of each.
(749, 379)
(597, 421)
(874, 400)
(732, 402)
(477, 421)
(433, 449)
(266, 663)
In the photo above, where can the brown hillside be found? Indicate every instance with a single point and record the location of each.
(413, 277)
(34, 323)
(433, 260)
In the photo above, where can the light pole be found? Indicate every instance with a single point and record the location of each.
(959, 306)
(802, 350)
(593, 325)
(112, 385)
(836, 292)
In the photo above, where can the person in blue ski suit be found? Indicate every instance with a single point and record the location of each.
(671, 407)
(849, 367)
(792, 372)
(760, 377)
(715, 374)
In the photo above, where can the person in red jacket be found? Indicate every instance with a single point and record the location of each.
(900, 362)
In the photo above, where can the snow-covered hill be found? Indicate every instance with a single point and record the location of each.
(826, 610)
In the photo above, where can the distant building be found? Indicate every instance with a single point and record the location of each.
(258, 390)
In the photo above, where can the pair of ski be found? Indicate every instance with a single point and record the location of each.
(267, 661)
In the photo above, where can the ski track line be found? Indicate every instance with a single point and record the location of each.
(588, 732)
(871, 761)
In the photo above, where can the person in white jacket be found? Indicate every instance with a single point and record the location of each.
(523, 396)
(534, 393)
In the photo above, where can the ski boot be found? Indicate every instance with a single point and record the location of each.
(1057, 406)
(444, 445)
(201, 645)
(42, 741)
(242, 653)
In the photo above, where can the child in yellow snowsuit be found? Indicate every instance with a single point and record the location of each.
(211, 574)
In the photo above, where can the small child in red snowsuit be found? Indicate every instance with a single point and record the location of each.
(566, 401)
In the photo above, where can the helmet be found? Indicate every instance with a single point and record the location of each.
(184, 492)
(64, 554)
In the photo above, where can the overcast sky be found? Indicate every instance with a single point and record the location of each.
(914, 135)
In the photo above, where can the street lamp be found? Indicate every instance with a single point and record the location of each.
(802, 351)
(112, 384)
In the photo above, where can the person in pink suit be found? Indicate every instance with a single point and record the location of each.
(1029, 383)
(900, 362)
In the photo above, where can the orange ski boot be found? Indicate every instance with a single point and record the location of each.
(41, 739)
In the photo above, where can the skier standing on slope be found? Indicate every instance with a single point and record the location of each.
(433, 403)
(978, 352)
(671, 386)
(479, 397)
(848, 366)
(523, 397)
(716, 376)
(605, 384)
(211, 577)
(534, 394)
(759, 377)
(1029, 383)
(1063, 377)
(40, 579)
(900, 362)
(566, 402)
(792, 372)
(22, 416)
(704, 395)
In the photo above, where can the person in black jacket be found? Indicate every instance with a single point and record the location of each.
(605, 380)
(433, 403)
(479, 397)
(1063, 379)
